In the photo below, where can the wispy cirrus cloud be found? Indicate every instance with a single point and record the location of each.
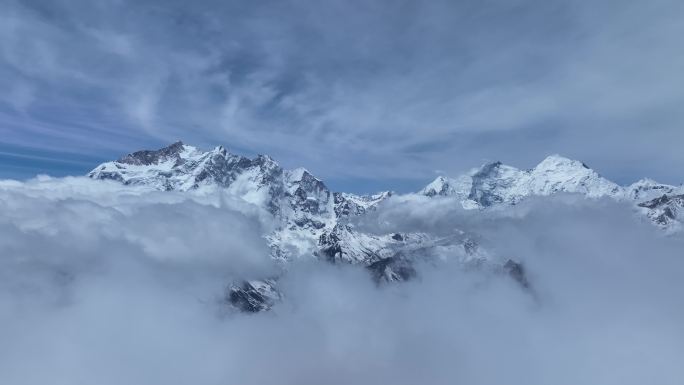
(368, 87)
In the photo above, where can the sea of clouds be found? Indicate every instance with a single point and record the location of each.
(106, 284)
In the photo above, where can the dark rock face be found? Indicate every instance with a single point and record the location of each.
(341, 246)
(345, 207)
(392, 269)
(663, 210)
(636, 193)
(222, 168)
(307, 223)
(148, 157)
(249, 298)
(111, 176)
(443, 188)
(668, 212)
(516, 271)
(481, 190)
(652, 204)
(311, 195)
(330, 247)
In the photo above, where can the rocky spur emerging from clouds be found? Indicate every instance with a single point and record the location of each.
(105, 283)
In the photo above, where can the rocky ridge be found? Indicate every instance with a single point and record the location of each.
(313, 220)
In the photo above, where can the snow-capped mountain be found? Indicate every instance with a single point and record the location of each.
(308, 212)
(647, 189)
(496, 183)
(313, 220)
(666, 211)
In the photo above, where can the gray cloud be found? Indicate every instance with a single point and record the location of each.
(101, 283)
(371, 88)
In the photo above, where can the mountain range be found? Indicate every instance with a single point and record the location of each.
(314, 221)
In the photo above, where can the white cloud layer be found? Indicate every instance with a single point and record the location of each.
(101, 284)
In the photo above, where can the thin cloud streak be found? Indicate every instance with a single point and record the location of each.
(361, 86)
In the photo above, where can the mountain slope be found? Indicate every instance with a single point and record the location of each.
(308, 212)
(315, 221)
(496, 183)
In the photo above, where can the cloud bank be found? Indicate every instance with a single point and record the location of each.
(105, 284)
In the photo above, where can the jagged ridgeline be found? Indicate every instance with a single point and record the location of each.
(312, 220)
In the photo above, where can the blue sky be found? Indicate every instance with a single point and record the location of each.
(367, 95)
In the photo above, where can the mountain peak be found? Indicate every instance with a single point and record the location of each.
(488, 168)
(220, 150)
(646, 188)
(264, 160)
(494, 169)
(560, 174)
(312, 218)
(149, 157)
(440, 186)
(299, 174)
(558, 162)
(496, 183)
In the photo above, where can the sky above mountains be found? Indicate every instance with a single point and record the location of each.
(367, 95)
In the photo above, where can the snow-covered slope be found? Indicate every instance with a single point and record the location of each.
(667, 211)
(307, 211)
(558, 174)
(314, 221)
(497, 183)
(647, 189)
